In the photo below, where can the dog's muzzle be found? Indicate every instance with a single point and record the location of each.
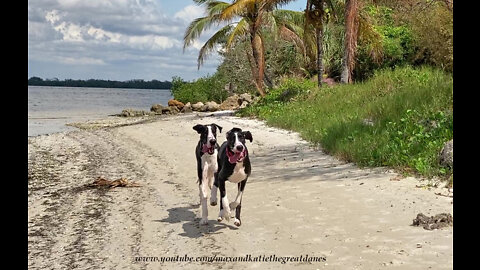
(236, 157)
(210, 150)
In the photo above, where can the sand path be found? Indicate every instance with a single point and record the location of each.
(298, 202)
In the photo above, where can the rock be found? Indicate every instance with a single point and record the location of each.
(446, 155)
(197, 106)
(329, 81)
(187, 108)
(246, 97)
(176, 103)
(368, 122)
(134, 113)
(157, 108)
(170, 110)
(211, 106)
(244, 104)
(231, 103)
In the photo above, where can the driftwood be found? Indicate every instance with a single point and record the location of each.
(121, 182)
(433, 222)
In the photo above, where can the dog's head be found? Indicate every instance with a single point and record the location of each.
(236, 144)
(208, 136)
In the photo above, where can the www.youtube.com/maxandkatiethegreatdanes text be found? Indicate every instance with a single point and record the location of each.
(232, 259)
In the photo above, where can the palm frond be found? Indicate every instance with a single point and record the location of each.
(219, 37)
(367, 34)
(216, 7)
(196, 27)
(241, 29)
(199, 2)
(237, 8)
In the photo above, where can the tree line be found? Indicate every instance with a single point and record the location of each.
(136, 83)
(345, 38)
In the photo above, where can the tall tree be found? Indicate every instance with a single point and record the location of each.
(314, 14)
(251, 14)
(315, 18)
(351, 37)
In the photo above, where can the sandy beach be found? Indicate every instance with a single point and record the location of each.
(299, 204)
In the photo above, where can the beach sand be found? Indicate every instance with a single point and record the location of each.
(297, 202)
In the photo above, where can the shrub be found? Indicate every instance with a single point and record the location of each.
(408, 110)
(208, 88)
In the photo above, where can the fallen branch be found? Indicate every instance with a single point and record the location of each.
(121, 182)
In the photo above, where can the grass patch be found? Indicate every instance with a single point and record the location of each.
(399, 118)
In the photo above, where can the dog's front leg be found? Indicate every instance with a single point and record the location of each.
(203, 187)
(224, 206)
(237, 204)
(213, 195)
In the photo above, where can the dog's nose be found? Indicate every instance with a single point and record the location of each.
(240, 147)
(213, 141)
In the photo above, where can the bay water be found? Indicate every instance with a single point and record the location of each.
(50, 108)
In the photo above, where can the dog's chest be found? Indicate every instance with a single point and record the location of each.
(210, 161)
(238, 174)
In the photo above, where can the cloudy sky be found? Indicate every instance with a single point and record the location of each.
(116, 39)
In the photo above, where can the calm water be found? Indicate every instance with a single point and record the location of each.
(50, 108)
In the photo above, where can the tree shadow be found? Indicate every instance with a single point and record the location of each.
(303, 162)
(192, 228)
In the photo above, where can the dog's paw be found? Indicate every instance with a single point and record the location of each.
(220, 216)
(224, 214)
(213, 202)
(227, 215)
(237, 222)
(203, 221)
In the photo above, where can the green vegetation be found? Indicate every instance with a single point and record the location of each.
(399, 118)
(395, 58)
(138, 84)
(209, 88)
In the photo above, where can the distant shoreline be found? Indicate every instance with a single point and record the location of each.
(160, 89)
(94, 83)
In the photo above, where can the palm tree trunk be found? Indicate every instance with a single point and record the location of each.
(319, 33)
(259, 60)
(351, 36)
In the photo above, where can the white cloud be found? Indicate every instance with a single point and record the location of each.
(190, 12)
(81, 61)
(115, 39)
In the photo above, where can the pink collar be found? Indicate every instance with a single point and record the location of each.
(236, 157)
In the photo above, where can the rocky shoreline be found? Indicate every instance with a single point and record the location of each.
(233, 102)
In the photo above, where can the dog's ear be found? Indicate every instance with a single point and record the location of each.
(219, 127)
(248, 135)
(199, 128)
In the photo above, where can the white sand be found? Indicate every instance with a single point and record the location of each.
(298, 201)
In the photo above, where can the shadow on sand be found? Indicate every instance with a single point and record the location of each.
(192, 228)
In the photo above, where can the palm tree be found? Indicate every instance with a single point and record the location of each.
(315, 18)
(351, 37)
(251, 14)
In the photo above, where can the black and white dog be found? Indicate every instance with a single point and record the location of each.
(234, 166)
(206, 153)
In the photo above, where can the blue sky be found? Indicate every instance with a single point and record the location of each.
(116, 39)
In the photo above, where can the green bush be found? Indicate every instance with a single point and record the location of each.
(397, 44)
(208, 88)
(398, 118)
(288, 89)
